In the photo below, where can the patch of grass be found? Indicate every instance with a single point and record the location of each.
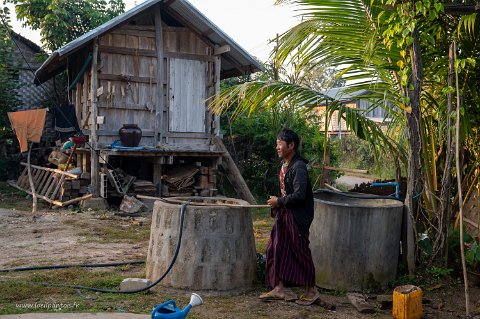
(113, 234)
(12, 198)
(261, 231)
(343, 187)
(20, 294)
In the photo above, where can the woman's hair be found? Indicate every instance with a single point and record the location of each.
(289, 136)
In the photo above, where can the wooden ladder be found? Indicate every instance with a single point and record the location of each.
(47, 182)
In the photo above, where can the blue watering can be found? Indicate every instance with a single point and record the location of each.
(169, 310)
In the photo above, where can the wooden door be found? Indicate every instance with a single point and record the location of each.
(187, 94)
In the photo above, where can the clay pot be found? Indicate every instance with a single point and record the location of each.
(130, 135)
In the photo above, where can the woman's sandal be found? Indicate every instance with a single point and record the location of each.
(304, 301)
(269, 296)
(288, 295)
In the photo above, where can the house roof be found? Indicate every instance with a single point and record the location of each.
(33, 46)
(338, 93)
(236, 62)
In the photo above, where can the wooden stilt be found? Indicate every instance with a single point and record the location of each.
(233, 174)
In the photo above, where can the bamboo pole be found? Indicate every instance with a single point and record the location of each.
(30, 180)
(332, 188)
(193, 203)
(348, 170)
(71, 201)
(51, 170)
(459, 183)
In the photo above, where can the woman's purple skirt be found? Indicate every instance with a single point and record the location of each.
(288, 255)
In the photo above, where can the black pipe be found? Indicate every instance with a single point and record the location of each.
(138, 262)
(177, 249)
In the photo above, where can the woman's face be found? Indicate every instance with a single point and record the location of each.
(284, 150)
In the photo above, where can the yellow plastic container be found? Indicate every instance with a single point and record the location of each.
(62, 167)
(57, 158)
(407, 302)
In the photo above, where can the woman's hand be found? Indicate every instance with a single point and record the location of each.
(273, 201)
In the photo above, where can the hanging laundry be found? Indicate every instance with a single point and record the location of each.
(66, 124)
(28, 126)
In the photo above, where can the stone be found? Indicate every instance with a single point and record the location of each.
(385, 301)
(360, 303)
(131, 205)
(134, 284)
(94, 203)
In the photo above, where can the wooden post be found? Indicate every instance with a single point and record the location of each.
(84, 99)
(159, 103)
(233, 174)
(94, 168)
(157, 174)
(218, 68)
(78, 102)
(325, 175)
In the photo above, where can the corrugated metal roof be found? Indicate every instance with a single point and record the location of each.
(338, 93)
(236, 62)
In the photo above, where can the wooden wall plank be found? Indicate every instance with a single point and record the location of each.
(127, 78)
(94, 169)
(159, 106)
(127, 50)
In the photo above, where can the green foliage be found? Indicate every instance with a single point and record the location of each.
(251, 141)
(261, 266)
(8, 84)
(8, 75)
(437, 272)
(472, 256)
(61, 21)
(471, 245)
(353, 152)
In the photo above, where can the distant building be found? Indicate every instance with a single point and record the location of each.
(352, 100)
(30, 95)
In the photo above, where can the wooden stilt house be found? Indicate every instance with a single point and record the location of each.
(155, 66)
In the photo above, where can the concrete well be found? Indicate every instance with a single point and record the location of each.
(355, 240)
(217, 251)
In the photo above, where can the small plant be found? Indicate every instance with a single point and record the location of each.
(472, 256)
(438, 272)
(261, 264)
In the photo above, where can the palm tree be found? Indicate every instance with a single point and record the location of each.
(399, 53)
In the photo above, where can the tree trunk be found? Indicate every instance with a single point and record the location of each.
(443, 214)
(415, 179)
(458, 164)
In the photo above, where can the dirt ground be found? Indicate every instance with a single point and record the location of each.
(63, 236)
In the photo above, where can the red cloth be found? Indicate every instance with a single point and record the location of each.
(28, 126)
(283, 171)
